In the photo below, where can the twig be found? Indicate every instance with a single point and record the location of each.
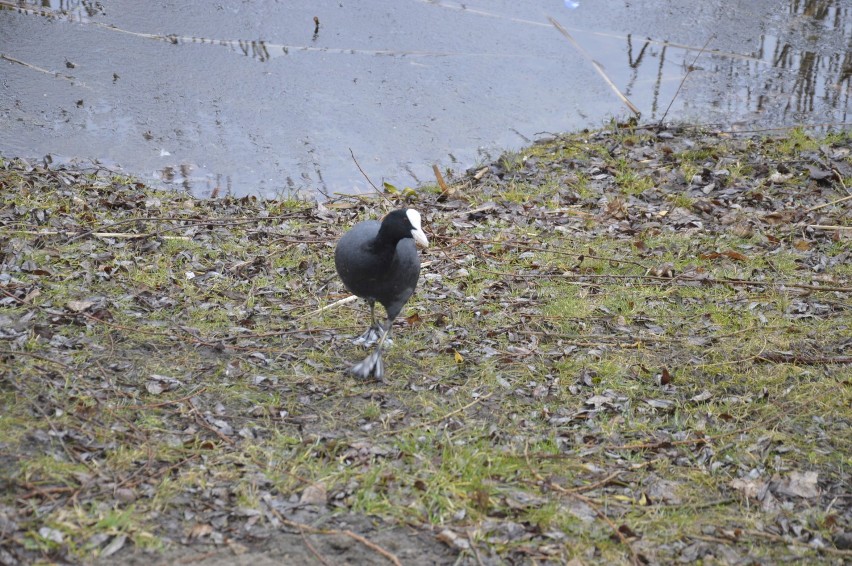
(335, 304)
(829, 227)
(119, 235)
(373, 546)
(442, 417)
(606, 481)
(167, 403)
(838, 201)
(778, 357)
(683, 80)
(375, 188)
(634, 557)
(303, 527)
(36, 356)
(598, 66)
(779, 538)
(703, 440)
(313, 550)
(445, 190)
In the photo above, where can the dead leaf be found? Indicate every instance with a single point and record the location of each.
(748, 487)
(314, 494)
(453, 540)
(800, 484)
(114, 546)
(200, 530)
(701, 397)
(79, 306)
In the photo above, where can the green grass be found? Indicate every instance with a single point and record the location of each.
(526, 395)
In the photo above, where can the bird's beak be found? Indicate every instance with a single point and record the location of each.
(420, 237)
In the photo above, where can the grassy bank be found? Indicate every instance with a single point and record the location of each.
(627, 346)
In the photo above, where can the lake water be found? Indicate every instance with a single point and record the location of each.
(253, 97)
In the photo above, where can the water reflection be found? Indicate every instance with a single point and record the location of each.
(801, 72)
(236, 114)
(812, 59)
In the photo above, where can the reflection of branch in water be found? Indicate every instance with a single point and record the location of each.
(634, 63)
(476, 12)
(260, 49)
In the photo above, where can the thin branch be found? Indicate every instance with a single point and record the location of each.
(829, 227)
(838, 201)
(683, 80)
(598, 67)
(375, 188)
(301, 527)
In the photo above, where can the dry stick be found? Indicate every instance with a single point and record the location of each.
(794, 542)
(824, 227)
(683, 80)
(606, 481)
(445, 190)
(375, 188)
(634, 558)
(301, 526)
(442, 417)
(119, 235)
(838, 201)
(598, 66)
(710, 280)
(189, 222)
(335, 304)
(703, 440)
(31, 355)
(839, 178)
(311, 548)
(166, 403)
(777, 357)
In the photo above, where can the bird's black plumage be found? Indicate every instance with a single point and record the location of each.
(379, 262)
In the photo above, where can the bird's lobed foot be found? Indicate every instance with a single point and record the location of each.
(371, 366)
(371, 336)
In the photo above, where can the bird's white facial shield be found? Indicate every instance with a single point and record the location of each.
(417, 232)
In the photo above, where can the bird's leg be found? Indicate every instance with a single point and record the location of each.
(373, 333)
(373, 365)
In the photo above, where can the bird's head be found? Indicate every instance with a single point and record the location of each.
(405, 223)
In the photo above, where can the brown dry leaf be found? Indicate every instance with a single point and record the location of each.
(413, 319)
(735, 255)
(315, 494)
(662, 404)
(664, 270)
(748, 487)
(701, 397)
(200, 530)
(79, 306)
(453, 540)
(800, 485)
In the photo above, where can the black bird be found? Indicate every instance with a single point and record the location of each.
(379, 262)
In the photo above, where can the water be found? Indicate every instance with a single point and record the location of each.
(250, 97)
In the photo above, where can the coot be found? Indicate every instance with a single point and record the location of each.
(379, 262)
